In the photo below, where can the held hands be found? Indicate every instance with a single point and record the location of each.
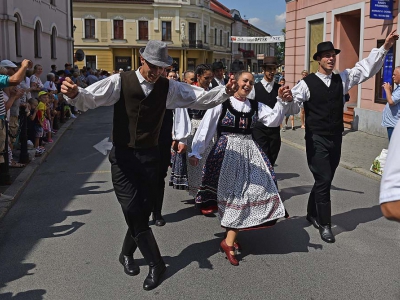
(193, 161)
(68, 88)
(387, 86)
(390, 40)
(181, 148)
(231, 87)
(174, 145)
(285, 94)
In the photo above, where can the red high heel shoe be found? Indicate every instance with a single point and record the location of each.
(231, 257)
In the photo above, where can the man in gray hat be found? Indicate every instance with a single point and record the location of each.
(322, 94)
(140, 98)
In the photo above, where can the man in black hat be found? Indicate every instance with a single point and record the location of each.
(323, 96)
(140, 98)
(266, 91)
(218, 70)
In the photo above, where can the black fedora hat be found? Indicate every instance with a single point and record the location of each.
(217, 65)
(324, 46)
(270, 61)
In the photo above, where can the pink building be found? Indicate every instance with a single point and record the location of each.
(348, 25)
(39, 30)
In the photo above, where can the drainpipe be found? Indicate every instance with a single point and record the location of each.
(72, 30)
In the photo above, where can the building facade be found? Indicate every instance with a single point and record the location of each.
(112, 32)
(348, 25)
(39, 30)
(196, 31)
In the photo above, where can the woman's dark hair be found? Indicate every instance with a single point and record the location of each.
(200, 69)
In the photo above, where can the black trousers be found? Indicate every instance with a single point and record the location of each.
(323, 156)
(165, 161)
(269, 139)
(134, 174)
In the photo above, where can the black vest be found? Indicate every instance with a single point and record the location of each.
(235, 121)
(324, 109)
(165, 137)
(266, 98)
(137, 118)
(214, 83)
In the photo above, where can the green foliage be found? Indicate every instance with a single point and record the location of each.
(280, 49)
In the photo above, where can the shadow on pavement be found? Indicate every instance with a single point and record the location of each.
(40, 211)
(31, 295)
(287, 193)
(284, 176)
(348, 221)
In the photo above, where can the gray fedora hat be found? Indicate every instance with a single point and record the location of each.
(156, 53)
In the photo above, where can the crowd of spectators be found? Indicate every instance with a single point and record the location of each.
(39, 104)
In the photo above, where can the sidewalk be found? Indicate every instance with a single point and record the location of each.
(21, 176)
(359, 149)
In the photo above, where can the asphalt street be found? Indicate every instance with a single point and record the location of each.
(62, 238)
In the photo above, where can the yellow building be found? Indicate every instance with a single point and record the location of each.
(112, 32)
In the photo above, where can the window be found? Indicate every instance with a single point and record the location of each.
(384, 74)
(53, 40)
(228, 37)
(143, 30)
(89, 29)
(91, 62)
(192, 32)
(166, 31)
(205, 34)
(215, 36)
(220, 37)
(118, 29)
(17, 32)
(36, 40)
(316, 35)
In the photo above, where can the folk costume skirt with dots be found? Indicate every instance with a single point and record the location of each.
(195, 173)
(179, 178)
(239, 176)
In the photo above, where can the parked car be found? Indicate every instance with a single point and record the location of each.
(258, 77)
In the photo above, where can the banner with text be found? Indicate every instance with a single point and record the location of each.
(381, 9)
(258, 40)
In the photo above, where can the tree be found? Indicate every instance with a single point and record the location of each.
(280, 49)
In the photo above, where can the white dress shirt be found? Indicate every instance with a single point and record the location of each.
(209, 123)
(362, 71)
(182, 125)
(106, 92)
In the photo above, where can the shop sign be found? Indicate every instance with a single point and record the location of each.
(381, 9)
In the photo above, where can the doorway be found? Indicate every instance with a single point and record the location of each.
(347, 39)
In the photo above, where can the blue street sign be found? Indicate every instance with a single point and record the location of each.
(387, 70)
(381, 9)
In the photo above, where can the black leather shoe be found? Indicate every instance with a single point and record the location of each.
(130, 267)
(312, 220)
(326, 233)
(154, 276)
(158, 219)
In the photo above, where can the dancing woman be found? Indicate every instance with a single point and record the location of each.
(237, 173)
(203, 77)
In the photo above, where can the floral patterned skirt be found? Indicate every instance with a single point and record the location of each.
(240, 178)
(179, 178)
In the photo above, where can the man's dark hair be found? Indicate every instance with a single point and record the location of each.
(53, 67)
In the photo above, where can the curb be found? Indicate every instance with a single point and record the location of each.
(10, 196)
(344, 164)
